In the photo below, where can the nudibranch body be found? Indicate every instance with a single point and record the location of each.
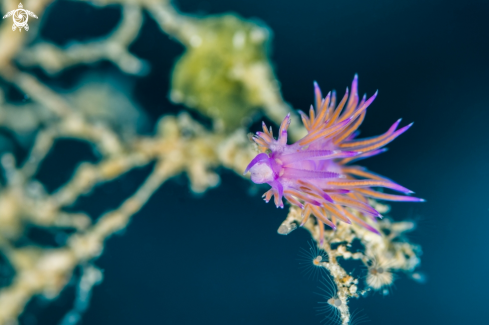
(313, 173)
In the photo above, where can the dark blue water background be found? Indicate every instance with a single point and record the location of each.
(216, 258)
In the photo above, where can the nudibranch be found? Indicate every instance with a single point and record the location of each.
(314, 173)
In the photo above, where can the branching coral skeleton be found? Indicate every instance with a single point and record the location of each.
(178, 145)
(393, 251)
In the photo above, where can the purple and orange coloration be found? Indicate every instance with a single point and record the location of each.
(314, 174)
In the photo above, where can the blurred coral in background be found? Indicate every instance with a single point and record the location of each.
(224, 75)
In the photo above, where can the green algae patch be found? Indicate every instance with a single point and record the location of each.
(217, 74)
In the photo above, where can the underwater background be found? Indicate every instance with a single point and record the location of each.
(216, 258)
